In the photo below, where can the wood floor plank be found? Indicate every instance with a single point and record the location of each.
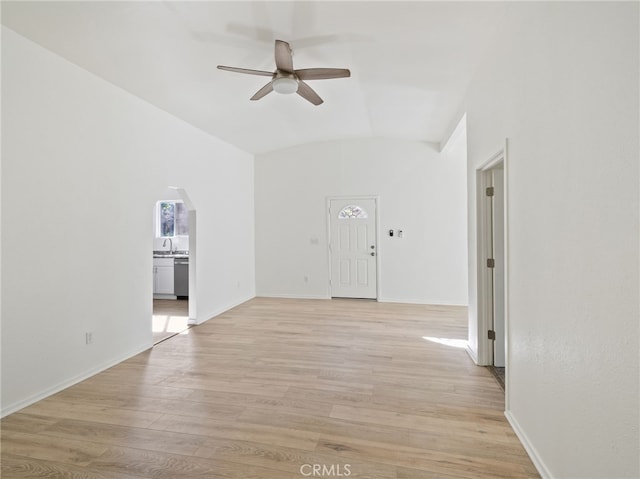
(263, 389)
(185, 407)
(22, 422)
(339, 427)
(458, 427)
(152, 464)
(94, 413)
(287, 459)
(410, 396)
(19, 467)
(273, 385)
(331, 397)
(68, 451)
(261, 433)
(220, 399)
(428, 460)
(130, 381)
(408, 473)
(143, 438)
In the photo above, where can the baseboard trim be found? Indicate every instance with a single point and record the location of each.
(421, 301)
(472, 354)
(380, 300)
(15, 407)
(165, 296)
(293, 296)
(533, 453)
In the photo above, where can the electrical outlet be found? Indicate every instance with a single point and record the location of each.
(88, 337)
(306, 279)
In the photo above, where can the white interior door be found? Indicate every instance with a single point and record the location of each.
(498, 271)
(353, 248)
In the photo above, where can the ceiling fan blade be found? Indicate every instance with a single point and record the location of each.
(246, 70)
(322, 73)
(265, 90)
(306, 92)
(284, 61)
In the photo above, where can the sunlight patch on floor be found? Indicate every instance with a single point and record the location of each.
(454, 343)
(163, 323)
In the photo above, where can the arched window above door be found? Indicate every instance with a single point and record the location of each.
(351, 212)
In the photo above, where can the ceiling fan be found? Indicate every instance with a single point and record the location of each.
(287, 80)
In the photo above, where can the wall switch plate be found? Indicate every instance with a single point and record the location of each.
(88, 337)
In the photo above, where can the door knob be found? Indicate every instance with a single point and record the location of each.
(372, 253)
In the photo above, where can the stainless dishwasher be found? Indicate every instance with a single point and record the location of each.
(181, 277)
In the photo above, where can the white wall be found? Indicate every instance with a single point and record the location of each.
(562, 85)
(83, 164)
(420, 191)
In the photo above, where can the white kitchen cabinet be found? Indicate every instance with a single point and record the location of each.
(163, 276)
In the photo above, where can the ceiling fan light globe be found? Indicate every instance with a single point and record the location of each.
(285, 85)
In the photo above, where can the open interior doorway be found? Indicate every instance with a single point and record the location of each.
(492, 269)
(173, 253)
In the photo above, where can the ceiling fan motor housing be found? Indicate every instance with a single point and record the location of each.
(285, 83)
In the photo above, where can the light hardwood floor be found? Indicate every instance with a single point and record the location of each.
(274, 386)
(170, 317)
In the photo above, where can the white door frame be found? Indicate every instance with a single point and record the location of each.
(193, 253)
(376, 200)
(484, 283)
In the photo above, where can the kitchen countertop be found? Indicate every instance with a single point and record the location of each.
(166, 254)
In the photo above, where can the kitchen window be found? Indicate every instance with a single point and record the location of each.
(172, 219)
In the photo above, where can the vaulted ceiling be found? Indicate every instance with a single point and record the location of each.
(410, 62)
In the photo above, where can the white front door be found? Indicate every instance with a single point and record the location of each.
(353, 248)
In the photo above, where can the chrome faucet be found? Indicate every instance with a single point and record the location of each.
(164, 243)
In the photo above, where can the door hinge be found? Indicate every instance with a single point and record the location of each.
(491, 334)
(491, 263)
(490, 191)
